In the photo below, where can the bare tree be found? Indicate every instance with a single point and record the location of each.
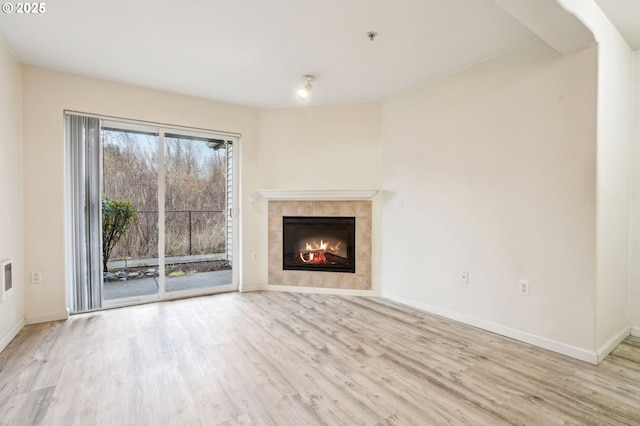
(195, 185)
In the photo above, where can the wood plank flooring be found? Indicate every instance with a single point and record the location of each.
(291, 359)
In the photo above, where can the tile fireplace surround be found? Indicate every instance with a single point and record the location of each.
(360, 209)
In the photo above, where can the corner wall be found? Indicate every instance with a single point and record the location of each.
(321, 147)
(613, 192)
(11, 208)
(491, 171)
(634, 264)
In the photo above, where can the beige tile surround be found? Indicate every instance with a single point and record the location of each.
(361, 210)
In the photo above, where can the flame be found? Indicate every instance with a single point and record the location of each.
(316, 252)
(324, 246)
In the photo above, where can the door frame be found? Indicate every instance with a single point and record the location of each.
(161, 129)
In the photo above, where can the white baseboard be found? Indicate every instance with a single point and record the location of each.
(55, 316)
(308, 290)
(635, 331)
(532, 339)
(244, 288)
(322, 290)
(613, 342)
(8, 337)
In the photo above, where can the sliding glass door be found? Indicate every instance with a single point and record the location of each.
(166, 216)
(130, 216)
(196, 212)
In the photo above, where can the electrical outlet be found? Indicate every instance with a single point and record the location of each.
(255, 256)
(464, 278)
(36, 277)
(523, 287)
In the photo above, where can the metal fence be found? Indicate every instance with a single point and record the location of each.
(187, 232)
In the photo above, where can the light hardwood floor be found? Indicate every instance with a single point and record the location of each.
(292, 359)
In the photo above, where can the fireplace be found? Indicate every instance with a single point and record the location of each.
(361, 210)
(325, 243)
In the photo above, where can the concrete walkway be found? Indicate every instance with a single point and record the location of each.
(148, 286)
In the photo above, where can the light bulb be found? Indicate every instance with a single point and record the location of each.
(303, 92)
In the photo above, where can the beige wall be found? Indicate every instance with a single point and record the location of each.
(634, 264)
(46, 94)
(492, 171)
(613, 178)
(613, 189)
(321, 147)
(11, 210)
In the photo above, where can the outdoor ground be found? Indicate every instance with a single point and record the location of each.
(145, 286)
(171, 270)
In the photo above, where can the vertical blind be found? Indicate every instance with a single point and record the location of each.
(82, 136)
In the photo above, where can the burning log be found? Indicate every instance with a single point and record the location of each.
(316, 253)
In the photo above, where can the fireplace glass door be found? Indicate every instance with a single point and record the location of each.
(318, 243)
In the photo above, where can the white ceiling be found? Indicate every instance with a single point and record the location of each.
(254, 52)
(625, 15)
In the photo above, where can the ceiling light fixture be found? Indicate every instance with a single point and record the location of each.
(303, 92)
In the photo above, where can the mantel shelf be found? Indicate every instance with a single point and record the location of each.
(318, 194)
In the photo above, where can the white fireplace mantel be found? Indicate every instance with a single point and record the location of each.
(318, 194)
